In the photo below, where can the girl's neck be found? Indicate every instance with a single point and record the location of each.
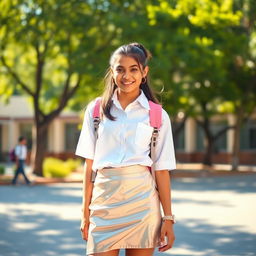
(126, 98)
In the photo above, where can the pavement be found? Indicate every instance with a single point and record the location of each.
(183, 170)
(215, 217)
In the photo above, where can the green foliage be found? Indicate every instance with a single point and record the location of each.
(53, 167)
(194, 44)
(206, 54)
(1, 169)
(48, 44)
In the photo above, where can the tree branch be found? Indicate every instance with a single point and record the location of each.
(39, 72)
(222, 131)
(63, 102)
(179, 125)
(17, 78)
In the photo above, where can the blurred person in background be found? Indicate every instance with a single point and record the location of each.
(20, 152)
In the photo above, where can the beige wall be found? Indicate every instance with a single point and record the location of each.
(190, 135)
(10, 134)
(18, 111)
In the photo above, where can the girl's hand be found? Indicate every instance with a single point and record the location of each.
(166, 231)
(85, 226)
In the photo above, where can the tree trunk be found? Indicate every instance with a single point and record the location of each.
(209, 151)
(236, 145)
(205, 124)
(39, 148)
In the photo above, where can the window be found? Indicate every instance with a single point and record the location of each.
(220, 144)
(248, 136)
(252, 138)
(179, 138)
(71, 136)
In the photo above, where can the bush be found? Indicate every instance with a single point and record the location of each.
(56, 168)
(1, 170)
(73, 164)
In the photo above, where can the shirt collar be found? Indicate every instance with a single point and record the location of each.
(142, 100)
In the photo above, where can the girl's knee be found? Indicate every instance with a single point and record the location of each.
(139, 251)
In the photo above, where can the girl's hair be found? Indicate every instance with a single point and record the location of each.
(141, 55)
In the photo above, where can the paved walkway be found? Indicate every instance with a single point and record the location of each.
(216, 217)
(183, 170)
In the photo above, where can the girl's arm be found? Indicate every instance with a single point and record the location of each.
(164, 189)
(87, 195)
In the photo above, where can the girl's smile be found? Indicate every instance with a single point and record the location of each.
(128, 74)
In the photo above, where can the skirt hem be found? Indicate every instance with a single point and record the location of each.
(123, 247)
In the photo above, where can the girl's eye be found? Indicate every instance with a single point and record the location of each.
(134, 69)
(119, 70)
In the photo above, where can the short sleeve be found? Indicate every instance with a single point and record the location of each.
(86, 143)
(164, 150)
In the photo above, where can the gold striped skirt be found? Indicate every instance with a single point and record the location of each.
(124, 210)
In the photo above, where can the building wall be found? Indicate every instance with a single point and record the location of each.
(16, 119)
(194, 143)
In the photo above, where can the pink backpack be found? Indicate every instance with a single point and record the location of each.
(155, 118)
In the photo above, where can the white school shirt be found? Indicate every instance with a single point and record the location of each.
(126, 141)
(21, 152)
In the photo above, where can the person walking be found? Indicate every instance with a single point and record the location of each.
(126, 186)
(21, 156)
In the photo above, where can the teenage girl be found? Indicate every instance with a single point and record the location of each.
(121, 208)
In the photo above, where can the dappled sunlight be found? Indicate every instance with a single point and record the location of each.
(49, 232)
(239, 184)
(49, 228)
(214, 218)
(187, 252)
(205, 239)
(24, 226)
(46, 216)
(218, 208)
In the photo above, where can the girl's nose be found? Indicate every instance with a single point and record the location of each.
(126, 75)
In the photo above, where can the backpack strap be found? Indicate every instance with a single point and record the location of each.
(96, 116)
(96, 110)
(96, 123)
(155, 119)
(155, 114)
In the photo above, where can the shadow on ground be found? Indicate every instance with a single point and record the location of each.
(28, 229)
(43, 221)
(239, 183)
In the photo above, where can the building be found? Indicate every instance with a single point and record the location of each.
(191, 142)
(16, 119)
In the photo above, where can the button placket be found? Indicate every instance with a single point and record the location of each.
(122, 135)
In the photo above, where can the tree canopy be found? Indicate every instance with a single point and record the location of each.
(204, 53)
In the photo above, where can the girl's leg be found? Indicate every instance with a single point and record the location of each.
(108, 253)
(139, 251)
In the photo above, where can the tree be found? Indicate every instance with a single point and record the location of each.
(200, 42)
(50, 51)
(242, 68)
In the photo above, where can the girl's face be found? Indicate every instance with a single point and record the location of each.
(128, 74)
